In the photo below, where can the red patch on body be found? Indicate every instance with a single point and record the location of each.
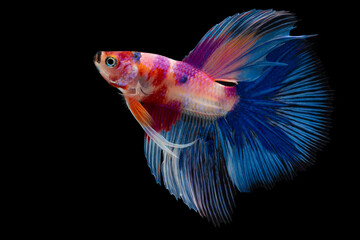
(126, 55)
(120, 55)
(158, 97)
(230, 91)
(164, 115)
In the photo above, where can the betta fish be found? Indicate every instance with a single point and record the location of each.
(247, 107)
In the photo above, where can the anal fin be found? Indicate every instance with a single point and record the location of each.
(146, 122)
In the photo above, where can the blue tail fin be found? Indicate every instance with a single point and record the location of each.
(280, 120)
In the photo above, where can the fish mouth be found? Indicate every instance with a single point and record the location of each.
(97, 57)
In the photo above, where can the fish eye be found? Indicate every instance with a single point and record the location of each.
(111, 62)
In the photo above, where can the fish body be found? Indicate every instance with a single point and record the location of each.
(176, 85)
(247, 107)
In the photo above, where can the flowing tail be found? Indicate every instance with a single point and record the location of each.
(279, 122)
(282, 116)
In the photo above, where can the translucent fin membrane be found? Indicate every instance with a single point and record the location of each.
(199, 175)
(146, 121)
(236, 48)
(281, 120)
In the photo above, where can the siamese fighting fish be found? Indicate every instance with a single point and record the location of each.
(247, 107)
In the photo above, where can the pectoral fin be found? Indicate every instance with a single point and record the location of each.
(139, 112)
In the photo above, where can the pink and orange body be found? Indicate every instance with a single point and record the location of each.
(175, 85)
(180, 83)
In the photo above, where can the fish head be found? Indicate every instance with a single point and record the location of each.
(118, 68)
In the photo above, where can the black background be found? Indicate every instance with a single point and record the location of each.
(96, 182)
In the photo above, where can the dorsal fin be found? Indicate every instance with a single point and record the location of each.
(236, 49)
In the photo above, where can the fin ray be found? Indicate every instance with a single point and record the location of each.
(240, 41)
(199, 175)
(281, 120)
(146, 121)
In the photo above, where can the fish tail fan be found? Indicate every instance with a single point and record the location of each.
(280, 121)
(281, 117)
